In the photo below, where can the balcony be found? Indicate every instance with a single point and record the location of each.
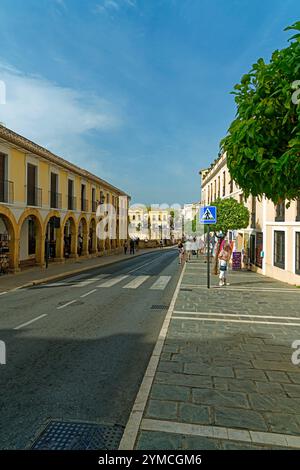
(34, 196)
(84, 205)
(72, 203)
(55, 200)
(6, 192)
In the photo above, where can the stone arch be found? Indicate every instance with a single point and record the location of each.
(69, 234)
(32, 238)
(8, 231)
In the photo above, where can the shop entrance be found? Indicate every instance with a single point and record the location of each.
(53, 237)
(6, 245)
(69, 238)
(252, 249)
(30, 242)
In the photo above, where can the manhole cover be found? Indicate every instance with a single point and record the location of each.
(159, 307)
(60, 435)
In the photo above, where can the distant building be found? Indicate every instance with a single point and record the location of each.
(152, 223)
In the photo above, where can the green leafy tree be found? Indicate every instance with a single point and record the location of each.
(263, 142)
(194, 224)
(231, 215)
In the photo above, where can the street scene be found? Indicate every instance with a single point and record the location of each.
(149, 230)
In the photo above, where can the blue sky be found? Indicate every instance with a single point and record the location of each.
(136, 91)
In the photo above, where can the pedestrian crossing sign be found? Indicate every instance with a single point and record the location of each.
(208, 215)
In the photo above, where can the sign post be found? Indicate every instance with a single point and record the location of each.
(208, 216)
(208, 258)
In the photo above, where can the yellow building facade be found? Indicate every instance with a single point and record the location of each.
(271, 242)
(49, 204)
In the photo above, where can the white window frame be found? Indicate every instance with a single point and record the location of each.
(280, 228)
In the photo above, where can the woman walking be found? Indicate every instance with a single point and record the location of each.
(180, 252)
(224, 258)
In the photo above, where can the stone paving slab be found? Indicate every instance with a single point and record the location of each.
(222, 374)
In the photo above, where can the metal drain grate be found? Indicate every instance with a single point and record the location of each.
(60, 435)
(159, 307)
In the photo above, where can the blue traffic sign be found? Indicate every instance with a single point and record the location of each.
(208, 215)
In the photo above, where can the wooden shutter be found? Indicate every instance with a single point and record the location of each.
(31, 183)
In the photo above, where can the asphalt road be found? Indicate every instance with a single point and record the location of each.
(78, 349)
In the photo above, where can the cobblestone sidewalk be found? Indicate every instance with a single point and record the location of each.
(225, 378)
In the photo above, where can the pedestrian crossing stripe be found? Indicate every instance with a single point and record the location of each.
(134, 282)
(113, 281)
(161, 283)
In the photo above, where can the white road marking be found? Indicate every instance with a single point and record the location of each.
(136, 282)
(113, 281)
(67, 304)
(88, 293)
(220, 432)
(82, 284)
(29, 322)
(76, 282)
(178, 312)
(57, 284)
(161, 283)
(227, 320)
(258, 289)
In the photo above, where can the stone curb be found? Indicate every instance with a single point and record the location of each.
(134, 422)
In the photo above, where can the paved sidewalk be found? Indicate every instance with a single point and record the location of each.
(37, 275)
(223, 377)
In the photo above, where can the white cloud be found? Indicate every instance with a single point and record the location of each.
(114, 5)
(56, 117)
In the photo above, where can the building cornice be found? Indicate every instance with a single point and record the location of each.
(214, 169)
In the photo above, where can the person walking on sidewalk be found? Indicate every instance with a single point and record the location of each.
(131, 247)
(125, 247)
(180, 252)
(224, 258)
(188, 249)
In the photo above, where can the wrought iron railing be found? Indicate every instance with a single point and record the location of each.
(34, 196)
(55, 200)
(6, 192)
(72, 203)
